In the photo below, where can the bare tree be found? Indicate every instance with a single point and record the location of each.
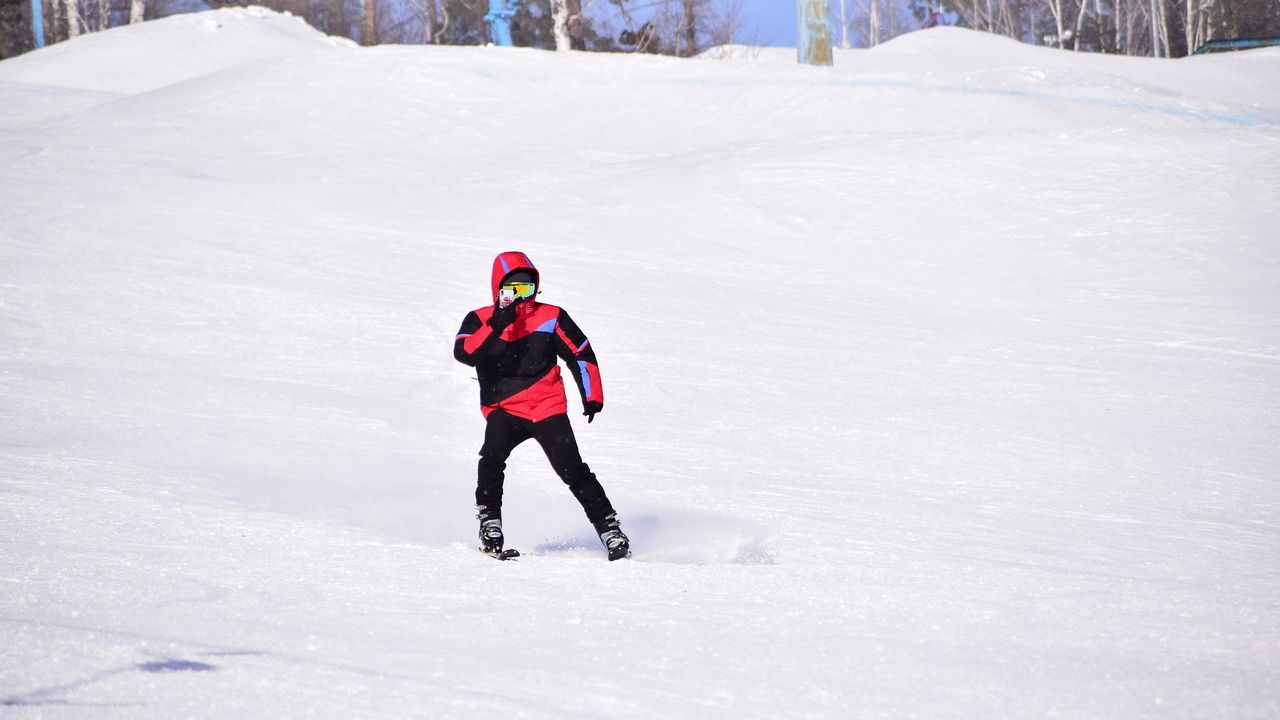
(577, 24)
(1131, 18)
(1079, 31)
(1058, 11)
(369, 23)
(428, 13)
(560, 24)
(690, 25)
(568, 24)
(71, 9)
(875, 21)
(1197, 24)
(680, 23)
(870, 12)
(1156, 6)
(1100, 14)
(844, 25)
(729, 32)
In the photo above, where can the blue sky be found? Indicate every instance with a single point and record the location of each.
(769, 22)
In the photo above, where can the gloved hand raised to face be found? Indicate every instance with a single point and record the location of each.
(503, 317)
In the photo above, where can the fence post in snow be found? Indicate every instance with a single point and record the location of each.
(813, 36)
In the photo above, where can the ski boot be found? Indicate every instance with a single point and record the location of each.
(618, 545)
(615, 542)
(491, 536)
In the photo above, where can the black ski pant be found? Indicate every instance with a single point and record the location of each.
(503, 432)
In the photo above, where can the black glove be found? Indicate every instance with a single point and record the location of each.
(502, 318)
(591, 408)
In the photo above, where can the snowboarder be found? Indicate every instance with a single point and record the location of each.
(513, 344)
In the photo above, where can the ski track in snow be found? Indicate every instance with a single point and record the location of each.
(941, 383)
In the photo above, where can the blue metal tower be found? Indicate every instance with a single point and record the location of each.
(813, 36)
(37, 22)
(499, 17)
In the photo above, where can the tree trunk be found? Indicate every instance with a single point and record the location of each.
(1164, 28)
(873, 24)
(73, 17)
(1075, 41)
(1198, 27)
(1132, 27)
(690, 28)
(1155, 31)
(577, 27)
(137, 11)
(1189, 26)
(369, 25)
(1007, 25)
(1055, 7)
(1102, 35)
(560, 25)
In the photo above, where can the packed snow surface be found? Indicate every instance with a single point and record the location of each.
(943, 383)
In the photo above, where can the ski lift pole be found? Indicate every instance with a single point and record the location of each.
(499, 17)
(37, 22)
(813, 35)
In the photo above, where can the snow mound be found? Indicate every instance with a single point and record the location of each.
(149, 55)
(976, 60)
(980, 58)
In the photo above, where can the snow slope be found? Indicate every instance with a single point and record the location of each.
(942, 383)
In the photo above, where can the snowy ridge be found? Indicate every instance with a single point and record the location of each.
(941, 383)
(139, 58)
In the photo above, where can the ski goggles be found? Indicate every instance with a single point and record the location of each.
(521, 290)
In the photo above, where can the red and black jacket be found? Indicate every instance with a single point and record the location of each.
(517, 369)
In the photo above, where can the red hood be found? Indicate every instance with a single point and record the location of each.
(507, 263)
